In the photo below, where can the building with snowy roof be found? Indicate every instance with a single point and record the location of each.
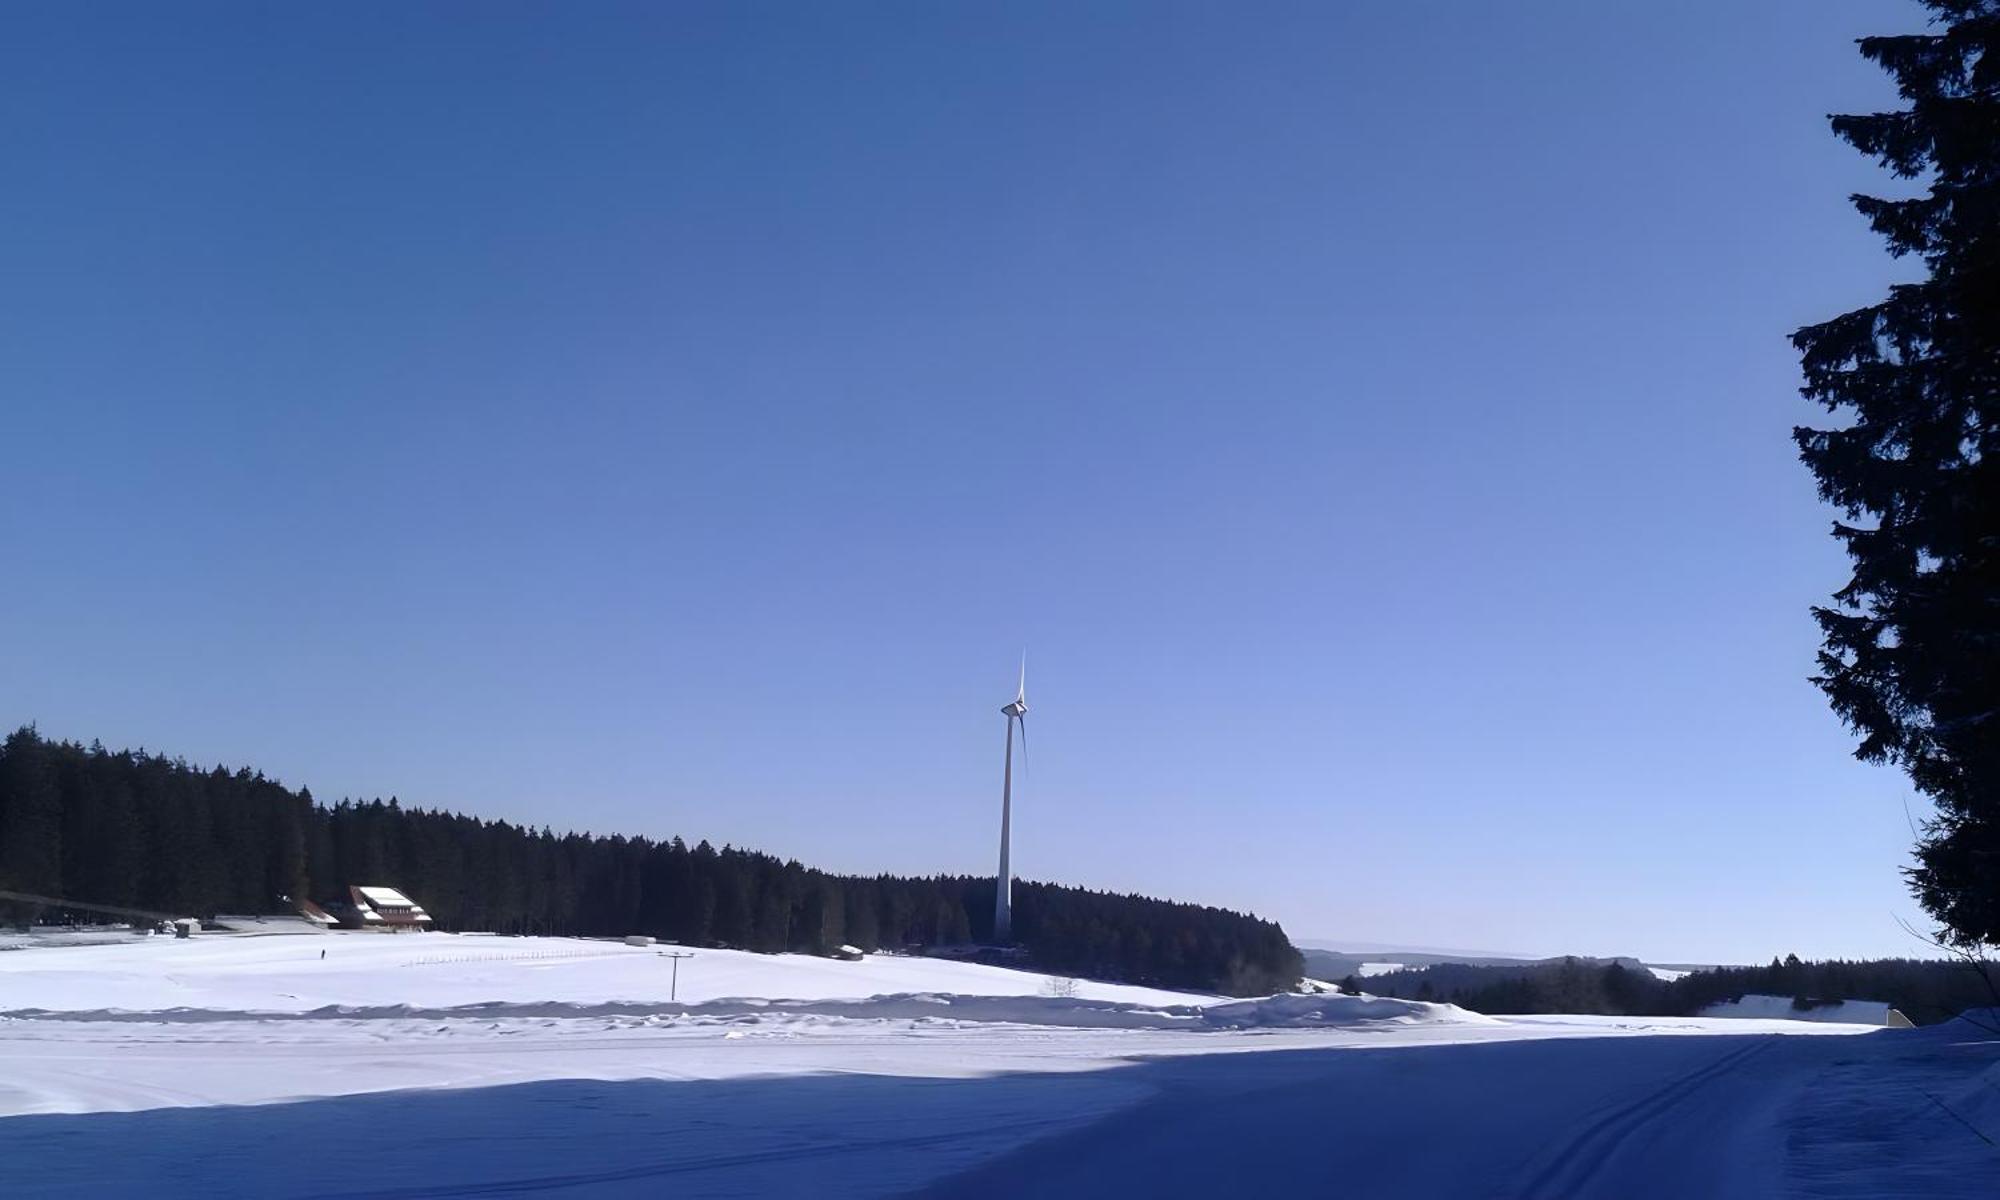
(373, 906)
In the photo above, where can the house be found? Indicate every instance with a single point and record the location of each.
(384, 908)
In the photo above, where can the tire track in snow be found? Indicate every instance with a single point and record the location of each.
(1574, 1169)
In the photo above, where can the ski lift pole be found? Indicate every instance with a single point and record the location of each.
(674, 987)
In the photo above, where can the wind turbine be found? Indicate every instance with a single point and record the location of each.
(1003, 892)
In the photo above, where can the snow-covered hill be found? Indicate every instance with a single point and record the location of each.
(435, 971)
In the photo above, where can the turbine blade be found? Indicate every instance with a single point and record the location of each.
(1023, 719)
(1022, 694)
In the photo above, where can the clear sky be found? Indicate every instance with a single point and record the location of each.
(676, 418)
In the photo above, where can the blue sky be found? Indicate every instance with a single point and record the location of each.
(664, 419)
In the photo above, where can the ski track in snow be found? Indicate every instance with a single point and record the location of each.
(1579, 1164)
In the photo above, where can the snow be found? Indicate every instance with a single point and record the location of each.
(1379, 968)
(385, 897)
(1668, 974)
(77, 935)
(1850, 1012)
(303, 923)
(520, 1065)
(436, 971)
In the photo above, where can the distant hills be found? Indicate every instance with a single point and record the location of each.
(1336, 961)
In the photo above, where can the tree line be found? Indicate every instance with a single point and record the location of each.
(142, 831)
(1925, 990)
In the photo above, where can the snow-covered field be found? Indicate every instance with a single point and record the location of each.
(1848, 1012)
(440, 1065)
(439, 970)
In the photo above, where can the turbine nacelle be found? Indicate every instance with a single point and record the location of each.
(1019, 707)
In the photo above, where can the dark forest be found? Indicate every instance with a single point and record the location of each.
(1926, 991)
(144, 831)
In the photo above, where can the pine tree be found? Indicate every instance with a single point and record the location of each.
(30, 819)
(1911, 645)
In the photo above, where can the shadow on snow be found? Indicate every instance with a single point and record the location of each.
(1633, 1116)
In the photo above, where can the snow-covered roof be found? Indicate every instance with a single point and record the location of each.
(314, 913)
(385, 897)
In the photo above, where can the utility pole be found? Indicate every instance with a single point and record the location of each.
(674, 988)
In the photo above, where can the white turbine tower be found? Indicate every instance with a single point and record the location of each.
(1003, 892)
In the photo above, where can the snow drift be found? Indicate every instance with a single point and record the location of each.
(1270, 1012)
